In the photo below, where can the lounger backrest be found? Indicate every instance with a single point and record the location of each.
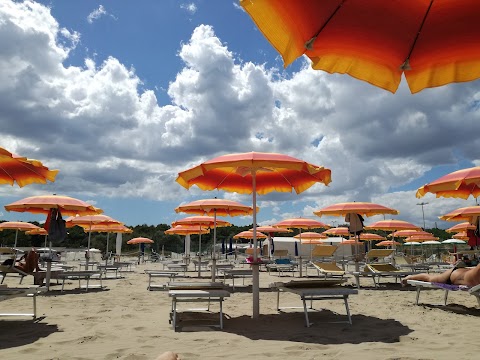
(378, 253)
(323, 250)
(249, 251)
(280, 253)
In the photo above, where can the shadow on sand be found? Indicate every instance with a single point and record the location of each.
(16, 333)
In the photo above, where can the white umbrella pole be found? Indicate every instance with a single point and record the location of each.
(255, 265)
(88, 247)
(16, 236)
(106, 251)
(200, 251)
(214, 258)
(300, 254)
(45, 241)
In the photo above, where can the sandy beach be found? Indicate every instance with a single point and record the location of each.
(126, 321)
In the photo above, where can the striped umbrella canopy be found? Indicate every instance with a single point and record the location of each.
(362, 208)
(17, 226)
(464, 226)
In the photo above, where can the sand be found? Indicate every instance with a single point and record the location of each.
(126, 321)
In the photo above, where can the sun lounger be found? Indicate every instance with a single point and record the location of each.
(403, 262)
(186, 292)
(281, 266)
(475, 291)
(29, 268)
(237, 273)
(310, 290)
(159, 274)
(110, 269)
(9, 293)
(178, 267)
(86, 275)
(328, 269)
(378, 271)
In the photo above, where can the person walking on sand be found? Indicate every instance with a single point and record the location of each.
(456, 276)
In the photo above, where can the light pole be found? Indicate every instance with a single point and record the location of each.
(423, 212)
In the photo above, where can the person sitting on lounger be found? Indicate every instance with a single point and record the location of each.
(29, 262)
(456, 276)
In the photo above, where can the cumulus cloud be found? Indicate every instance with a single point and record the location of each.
(109, 135)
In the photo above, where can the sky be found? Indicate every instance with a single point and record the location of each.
(120, 96)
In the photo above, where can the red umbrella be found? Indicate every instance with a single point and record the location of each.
(252, 173)
(430, 43)
(140, 240)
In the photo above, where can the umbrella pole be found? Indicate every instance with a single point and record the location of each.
(300, 254)
(88, 247)
(16, 237)
(214, 258)
(255, 265)
(106, 251)
(200, 252)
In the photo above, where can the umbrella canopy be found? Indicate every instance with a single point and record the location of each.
(271, 229)
(431, 242)
(431, 43)
(252, 173)
(387, 243)
(215, 207)
(43, 203)
(17, 225)
(458, 184)
(421, 238)
(461, 236)
(248, 234)
(469, 213)
(362, 208)
(186, 230)
(392, 225)
(461, 227)
(310, 235)
(371, 237)
(338, 231)
(405, 233)
(140, 240)
(219, 207)
(453, 241)
(23, 171)
(87, 221)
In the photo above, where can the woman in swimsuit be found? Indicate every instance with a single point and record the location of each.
(455, 276)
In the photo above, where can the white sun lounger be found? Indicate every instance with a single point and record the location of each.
(8, 293)
(183, 292)
(87, 275)
(315, 290)
(475, 291)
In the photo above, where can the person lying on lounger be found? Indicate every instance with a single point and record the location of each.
(456, 276)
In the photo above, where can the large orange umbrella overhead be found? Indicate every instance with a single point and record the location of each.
(461, 227)
(42, 204)
(301, 223)
(23, 171)
(458, 184)
(431, 43)
(215, 207)
(17, 225)
(252, 173)
(362, 208)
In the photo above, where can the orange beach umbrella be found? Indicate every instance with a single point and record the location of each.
(252, 173)
(17, 225)
(23, 171)
(461, 227)
(458, 184)
(431, 43)
(361, 208)
(42, 204)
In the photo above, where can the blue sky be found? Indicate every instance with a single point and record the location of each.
(120, 96)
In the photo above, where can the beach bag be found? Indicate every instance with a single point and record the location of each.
(57, 230)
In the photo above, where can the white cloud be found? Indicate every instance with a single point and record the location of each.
(108, 136)
(98, 13)
(191, 8)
